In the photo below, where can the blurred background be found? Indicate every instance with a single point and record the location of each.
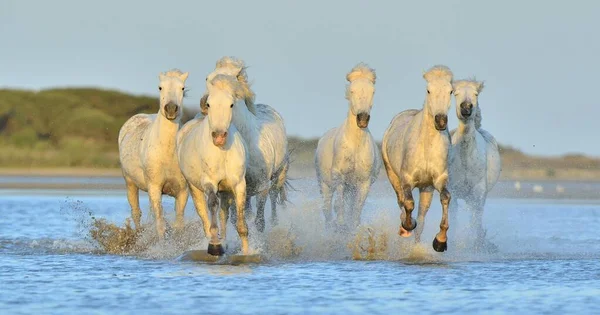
(72, 72)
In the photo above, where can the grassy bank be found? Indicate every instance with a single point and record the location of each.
(73, 132)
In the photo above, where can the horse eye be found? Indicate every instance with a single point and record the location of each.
(428, 92)
(183, 88)
(207, 105)
(231, 106)
(450, 92)
(160, 88)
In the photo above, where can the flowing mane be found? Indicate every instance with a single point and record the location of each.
(361, 71)
(438, 72)
(228, 84)
(174, 73)
(237, 68)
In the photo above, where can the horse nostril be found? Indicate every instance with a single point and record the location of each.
(214, 134)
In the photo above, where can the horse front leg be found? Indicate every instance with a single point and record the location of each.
(440, 242)
(475, 206)
(239, 194)
(180, 202)
(155, 196)
(326, 195)
(425, 197)
(259, 220)
(273, 196)
(199, 200)
(225, 204)
(214, 246)
(133, 196)
(361, 193)
(408, 203)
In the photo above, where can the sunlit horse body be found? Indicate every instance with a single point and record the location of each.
(212, 154)
(147, 154)
(347, 158)
(415, 154)
(474, 160)
(264, 132)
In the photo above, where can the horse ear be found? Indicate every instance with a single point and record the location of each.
(161, 76)
(203, 107)
(480, 87)
(184, 76)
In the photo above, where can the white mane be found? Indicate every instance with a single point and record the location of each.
(228, 84)
(438, 72)
(236, 67)
(361, 71)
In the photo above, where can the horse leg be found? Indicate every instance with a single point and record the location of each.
(475, 205)
(214, 246)
(408, 223)
(440, 242)
(326, 194)
(400, 195)
(200, 204)
(273, 196)
(239, 194)
(361, 193)
(180, 202)
(425, 196)
(226, 201)
(453, 213)
(155, 196)
(259, 220)
(133, 196)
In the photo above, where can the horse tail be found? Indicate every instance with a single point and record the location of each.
(281, 180)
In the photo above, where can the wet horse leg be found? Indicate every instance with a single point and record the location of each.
(242, 228)
(214, 246)
(440, 242)
(133, 196)
(259, 220)
(425, 196)
(180, 202)
(326, 194)
(199, 200)
(226, 201)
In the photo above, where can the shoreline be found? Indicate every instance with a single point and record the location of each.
(299, 172)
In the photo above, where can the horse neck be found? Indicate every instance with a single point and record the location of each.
(351, 131)
(427, 124)
(164, 131)
(245, 122)
(466, 130)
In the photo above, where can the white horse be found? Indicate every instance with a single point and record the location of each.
(212, 154)
(415, 154)
(347, 159)
(147, 153)
(474, 160)
(264, 131)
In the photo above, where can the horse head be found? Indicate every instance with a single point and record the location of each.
(466, 93)
(439, 91)
(359, 93)
(224, 92)
(172, 92)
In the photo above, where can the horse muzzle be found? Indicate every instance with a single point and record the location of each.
(441, 122)
(219, 138)
(362, 120)
(466, 109)
(171, 110)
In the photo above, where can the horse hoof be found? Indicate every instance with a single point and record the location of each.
(215, 249)
(410, 228)
(439, 246)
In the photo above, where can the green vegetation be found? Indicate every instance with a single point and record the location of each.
(65, 127)
(78, 127)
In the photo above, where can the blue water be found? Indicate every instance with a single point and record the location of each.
(548, 261)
